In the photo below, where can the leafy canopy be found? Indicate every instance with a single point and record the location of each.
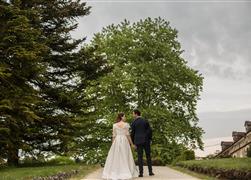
(149, 73)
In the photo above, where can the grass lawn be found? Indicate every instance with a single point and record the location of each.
(225, 163)
(194, 174)
(27, 173)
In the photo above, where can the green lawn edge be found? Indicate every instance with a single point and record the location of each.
(191, 173)
(27, 173)
(225, 163)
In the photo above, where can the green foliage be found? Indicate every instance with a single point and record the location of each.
(43, 77)
(150, 74)
(58, 98)
(188, 155)
(184, 156)
(61, 160)
(20, 63)
(225, 163)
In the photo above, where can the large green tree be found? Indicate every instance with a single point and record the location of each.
(43, 74)
(20, 54)
(149, 73)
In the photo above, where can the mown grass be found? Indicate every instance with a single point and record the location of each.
(27, 173)
(225, 163)
(194, 174)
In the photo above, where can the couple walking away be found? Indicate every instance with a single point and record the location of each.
(119, 162)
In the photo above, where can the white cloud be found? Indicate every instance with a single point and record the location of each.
(216, 38)
(224, 95)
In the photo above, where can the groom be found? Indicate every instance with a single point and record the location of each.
(141, 134)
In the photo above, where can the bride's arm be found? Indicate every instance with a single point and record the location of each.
(130, 140)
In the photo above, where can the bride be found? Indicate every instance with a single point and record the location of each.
(119, 162)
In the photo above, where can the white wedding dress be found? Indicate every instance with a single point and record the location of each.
(119, 162)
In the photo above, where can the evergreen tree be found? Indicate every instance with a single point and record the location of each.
(44, 76)
(21, 57)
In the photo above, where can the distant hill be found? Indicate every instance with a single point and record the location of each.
(220, 124)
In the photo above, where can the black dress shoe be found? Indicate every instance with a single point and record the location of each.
(151, 174)
(141, 175)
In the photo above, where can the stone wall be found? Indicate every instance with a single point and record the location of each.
(240, 144)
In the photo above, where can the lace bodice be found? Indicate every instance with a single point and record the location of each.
(120, 130)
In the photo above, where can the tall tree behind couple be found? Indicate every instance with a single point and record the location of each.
(119, 163)
(148, 73)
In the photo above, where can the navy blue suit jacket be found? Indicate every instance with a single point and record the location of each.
(141, 131)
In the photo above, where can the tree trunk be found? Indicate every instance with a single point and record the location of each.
(13, 157)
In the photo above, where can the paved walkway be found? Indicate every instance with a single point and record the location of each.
(161, 173)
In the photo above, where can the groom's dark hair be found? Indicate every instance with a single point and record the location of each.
(136, 111)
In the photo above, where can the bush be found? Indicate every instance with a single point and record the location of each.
(62, 160)
(32, 160)
(185, 155)
(29, 160)
(189, 155)
(219, 168)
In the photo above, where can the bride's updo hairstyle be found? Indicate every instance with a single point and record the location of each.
(119, 117)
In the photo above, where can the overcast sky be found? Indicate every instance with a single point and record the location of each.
(216, 37)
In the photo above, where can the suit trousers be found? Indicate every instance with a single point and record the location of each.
(140, 148)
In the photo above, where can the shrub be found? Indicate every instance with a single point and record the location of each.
(185, 155)
(61, 160)
(28, 160)
(189, 155)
